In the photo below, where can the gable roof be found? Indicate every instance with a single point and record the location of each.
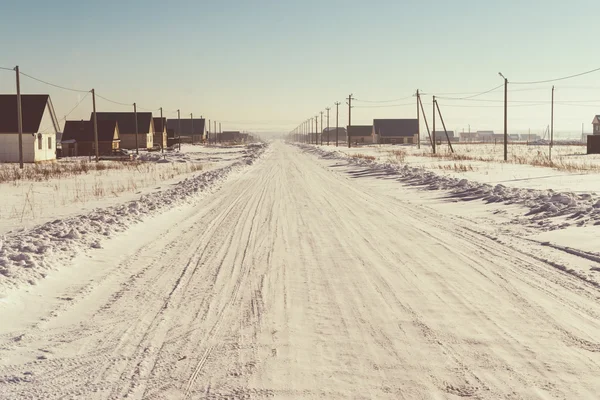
(360, 130)
(126, 121)
(33, 107)
(83, 131)
(186, 126)
(396, 127)
(596, 120)
(160, 124)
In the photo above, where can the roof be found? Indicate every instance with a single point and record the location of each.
(360, 130)
(396, 127)
(596, 119)
(186, 126)
(126, 121)
(450, 133)
(83, 131)
(33, 107)
(340, 129)
(160, 124)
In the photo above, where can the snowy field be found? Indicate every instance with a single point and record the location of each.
(44, 195)
(311, 275)
(43, 224)
(529, 166)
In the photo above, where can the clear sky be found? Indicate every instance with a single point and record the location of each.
(266, 66)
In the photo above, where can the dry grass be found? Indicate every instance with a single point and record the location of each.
(364, 157)
(456, 167)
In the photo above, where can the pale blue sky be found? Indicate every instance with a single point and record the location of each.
(267, 65)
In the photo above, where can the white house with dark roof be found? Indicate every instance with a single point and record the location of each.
(40, 127)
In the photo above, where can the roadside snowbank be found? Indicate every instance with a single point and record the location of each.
(27, 256)
(577, 209)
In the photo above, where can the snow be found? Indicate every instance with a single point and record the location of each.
(310, 274)
(27, 255)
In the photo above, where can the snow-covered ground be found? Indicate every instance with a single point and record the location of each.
(309, 275)
(85, 217)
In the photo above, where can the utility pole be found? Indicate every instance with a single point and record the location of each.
(349, 119)
(505, 116)
(95, 124)
(551, 126)
(179, 128)
(19, 118)
(418, 121)
(317, 130)
(328, 108)
(216, 136)
(137, 147)
(162, 132)
(337, 117)
(433, 126)
(192, 119)
(321, 131)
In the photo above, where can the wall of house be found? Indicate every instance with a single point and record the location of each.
(9, 147)
(128, 140)
(362, 139)
(160, 138)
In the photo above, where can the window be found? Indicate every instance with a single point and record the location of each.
(49, 143)
(39, 142)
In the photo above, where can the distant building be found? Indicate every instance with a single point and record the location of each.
(40, 127)
(440, 136)
(468, 136)
(127, 128)
(78, 138)
(596, 125)
(360, 134)
(485, 136)
(160, 132)
(192, 130)
(513, 137)
(341, 134)
(529, 137)
(395, 131)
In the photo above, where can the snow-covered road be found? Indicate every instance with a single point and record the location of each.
(293, 281)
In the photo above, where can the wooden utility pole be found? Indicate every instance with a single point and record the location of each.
(418, 122)
(349, 120)
(162, 132)
(328, 108)
(19, 117)
(425, 119)
(137, 147)
(444, 126)
(321, 131)
(505, 118)
(179, 128)
(317, 130)
(551, 126)
(433, 126)
(217, 138)
(95, 119)
(337, 116)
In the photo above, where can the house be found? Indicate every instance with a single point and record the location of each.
(78, 138)
(485, 136)
(341, 132)
(360, 134)
(395, 131)
(468, 136)
(529, 137)
(160, 132)
(127, 128)
(230, 136)
(171, 138)
(192, 130)
(513, 137)
(40, 127)
(596, 125)
(440, 136)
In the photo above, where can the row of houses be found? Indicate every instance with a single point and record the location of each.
(43, 139)
(386, 131)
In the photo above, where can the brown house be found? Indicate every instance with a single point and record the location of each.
(160, 132)
(360, 134)
(127, 128)
(78, 138)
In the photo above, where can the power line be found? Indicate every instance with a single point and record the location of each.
(112, 101)
(384, 101)
(383, 106)
(52, 84)
(475, 95)
(73, 109)
(557, 79)
(7, 69)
